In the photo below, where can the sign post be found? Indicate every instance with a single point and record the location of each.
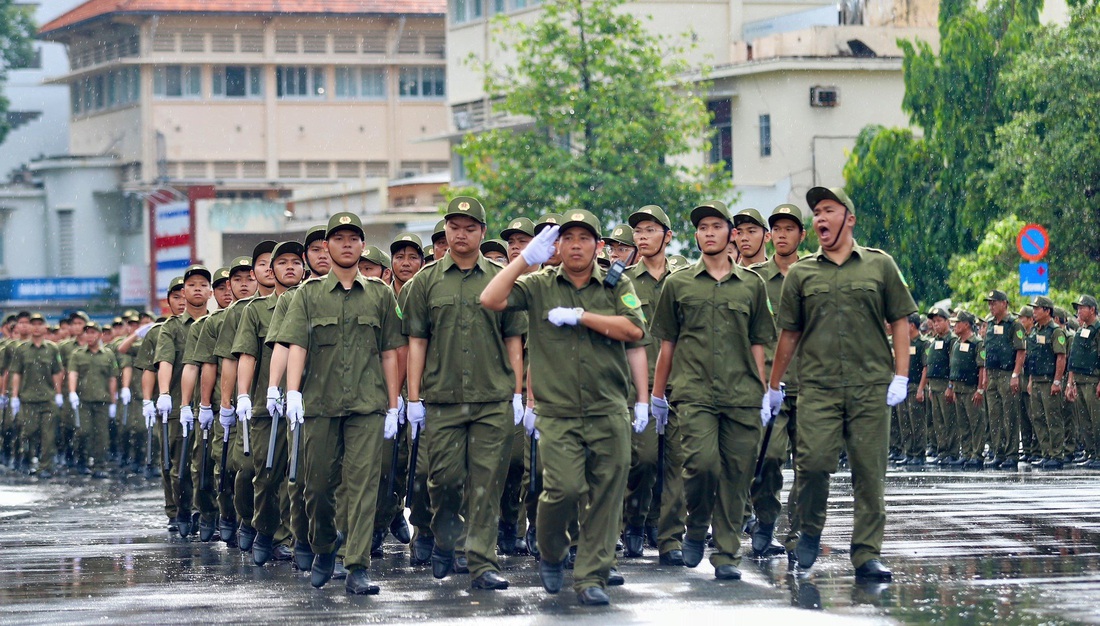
(1033, 243)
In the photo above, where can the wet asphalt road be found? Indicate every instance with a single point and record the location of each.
(965, 548)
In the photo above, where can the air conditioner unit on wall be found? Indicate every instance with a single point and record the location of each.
(824, 96)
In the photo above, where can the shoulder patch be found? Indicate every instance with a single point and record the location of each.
(631, 301)
(982, 354)
(1062, 339)
(1020, 334)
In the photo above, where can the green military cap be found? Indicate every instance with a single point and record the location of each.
(1071, 323)
(134, 318)
(1060, 313)
(1026, 311)
(91, 326)
(914, 319)
(1085, 300)
(196, 270)
(786, 212)
(429, 256)
(176, 283)
(54, 328)
(490, 245)
(817, 194)
(621, 234)
(996, 296)
(548, 220)
(520, 226)
(1043, 301)
(220, 276)
(405, 240)
(37, 317)
(964, 316)
(148, 314)
(752, 216)
(117, 321)
(265, 246)
(344, 221)
(129, 313)
(440, 231)
(239, 264)
(287, 247)
(374, 254)
(650, 212)
(84, 316)
(11, 318)
(582, 218)
(603, 258)
(938, 312)
(316, 233)
(465, 206)
(678, 262)
(715, 208)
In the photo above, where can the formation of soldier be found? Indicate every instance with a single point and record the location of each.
(554, 392)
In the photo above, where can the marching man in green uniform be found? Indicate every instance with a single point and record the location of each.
(937, 371)
(965, 391)
(586, 337)
(343, 332)
(911, 413)
(834, 302)
(1084, 377)
(1005, 352)
(465, 391)
(35, 371)
(93, 390)
(751, 236)
(713, 321)
(1046, 358)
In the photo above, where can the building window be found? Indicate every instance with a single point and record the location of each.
(238, 81)
(466, 10)
(423, 82)
(300, 82)
(765, 135)
(721, 142)
(177, 81)
(366, 83)
(65, 258)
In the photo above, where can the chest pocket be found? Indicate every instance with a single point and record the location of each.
(735, 314)
(443, 311)
(324, 331)
(370, 330)
(696, 313)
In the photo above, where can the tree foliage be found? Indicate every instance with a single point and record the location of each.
(16, 34)
(611, 119)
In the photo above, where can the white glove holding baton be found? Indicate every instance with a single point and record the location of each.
(244, 407)
(417, 416)
(14, 404)
(541, 248)
(187, 419)
(529, 423)
(124, 395)
(772, 403)
(227, 417)
(389, 431)
(74, 400)
(149, 412)
(517, 408)
(295, 413)
(899, 388)
(402, 412)
(275, 402)
(641, 416)
(164, 405)
(658, 407)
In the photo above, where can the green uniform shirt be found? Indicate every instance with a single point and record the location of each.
(191, 357)
(1002, 340)
(918, 347)
(36, 366)
(648, 289)
(938, 356)
(714, 324)
(208, 337)
(223, 348)
(94, 370)
(1084, 354)
(345, 333)
(966, 359)
(466, 359)
(576, 372)
(840, 310)
(1044, 346)
(773, 280)
(67, 348)
(282, 305)
(143, 358)
(171, 344)
(251, 335)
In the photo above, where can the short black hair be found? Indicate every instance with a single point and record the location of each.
(22, 314)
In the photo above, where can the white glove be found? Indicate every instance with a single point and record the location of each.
(59, 400)
(187, 419)
(144, 330)
(417, 416)
(390, 430)
(206, 417)
(149, 412)
(541, 248)
(244, 407)
(775, 400)
(401, 410)
(529, 423)
(517, 408)
(164, 404)
(74, 400)
(227, 417)
(124, 395)
(766, 411)
(295, 413)
(563, 316)
(641, 416)
(658, 407)
(274, 402)
(15, 406)
(112, 411)
(899, 387)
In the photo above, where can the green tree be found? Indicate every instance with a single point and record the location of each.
(1048, 158)
(611, 119)
(16, 34)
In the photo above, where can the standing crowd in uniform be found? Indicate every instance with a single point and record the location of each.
(555, 392)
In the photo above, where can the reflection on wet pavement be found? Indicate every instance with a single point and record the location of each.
(965, 548)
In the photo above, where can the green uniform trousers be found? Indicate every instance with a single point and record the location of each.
(531, 496)
(911, 421)
(1004, 415)
(1071, 420)
(765, 494)
(943, 419)
(69, 441)
(341, 451)
(855, 419)
(205, 500)
(392, 504)
(270, 504)
(420, 506)
(39, 432)
(223, 499)
(642, 477)
(296, 501)
(244, 497)
(584, 460)
(1089, 406)
(1028, 441)
(720, 449)
(170, 480)
(673, 520)
(969, 421)
(93, 432)
(511, 498)
(1047, 419)
(468, 458)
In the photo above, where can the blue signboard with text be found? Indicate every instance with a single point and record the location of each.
(1034, 279)
(46, 290)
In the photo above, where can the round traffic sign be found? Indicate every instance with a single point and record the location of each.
(1033, 242)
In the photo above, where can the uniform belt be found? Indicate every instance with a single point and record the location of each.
(1086, 377)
